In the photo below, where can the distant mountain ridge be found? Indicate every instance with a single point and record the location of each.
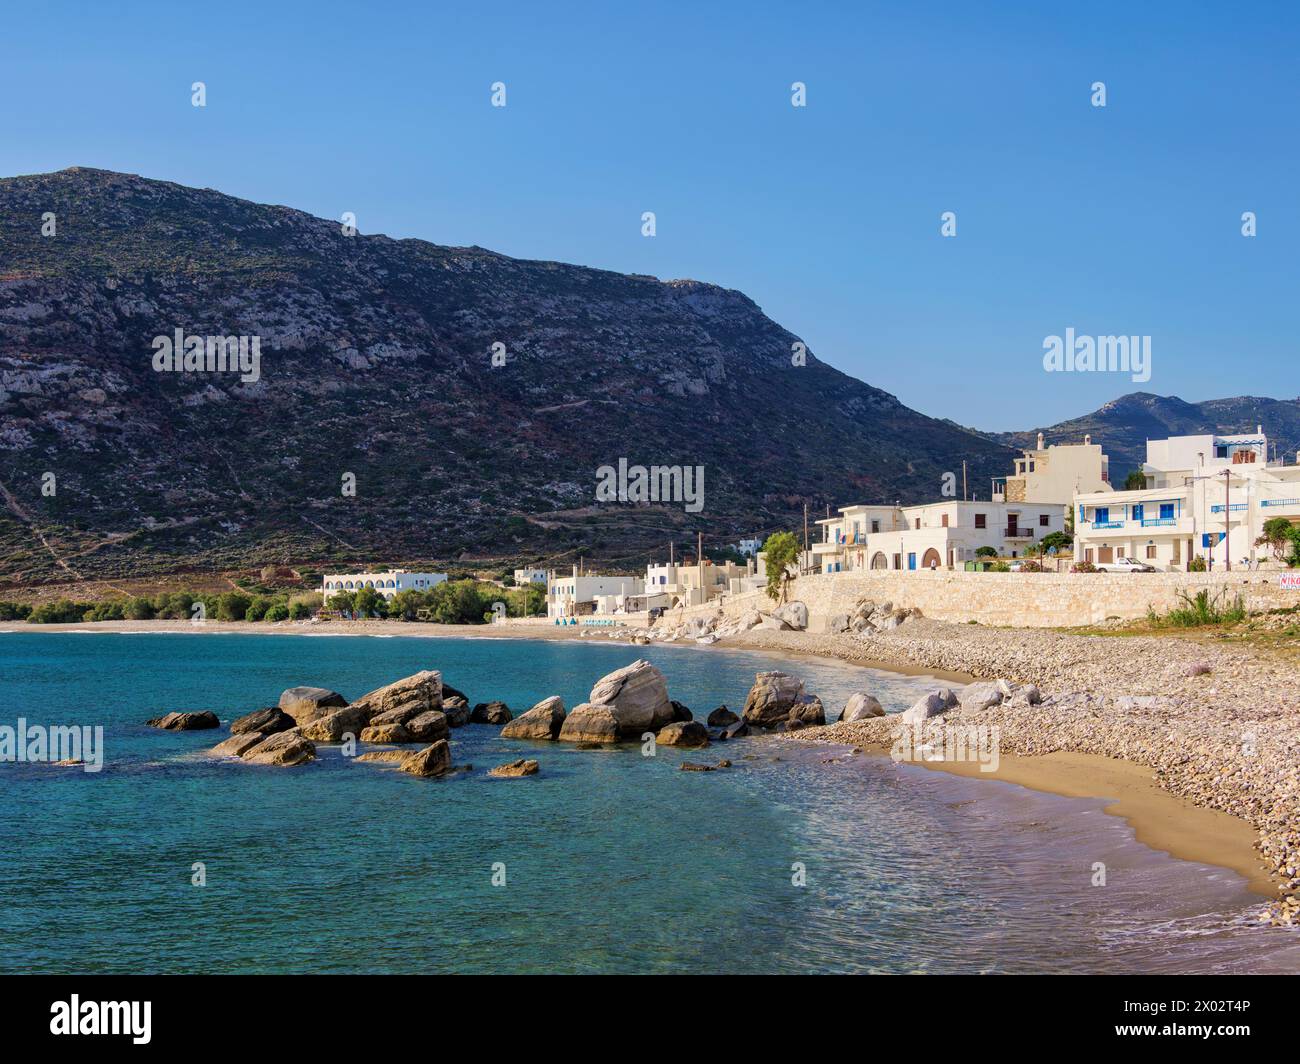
(1123, 425)
(376, 365)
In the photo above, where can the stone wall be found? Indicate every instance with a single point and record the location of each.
(1025, 600)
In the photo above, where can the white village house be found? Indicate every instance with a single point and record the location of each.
(1207, 496)
(531, 576)
(947, 534)
(388, 583)
(581, 595)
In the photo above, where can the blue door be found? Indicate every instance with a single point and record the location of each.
(911, 561)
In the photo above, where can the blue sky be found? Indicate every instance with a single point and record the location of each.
(1122, 220)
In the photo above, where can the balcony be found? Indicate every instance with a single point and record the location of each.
(1158, 522)
(1279, 502)
(1017, 532)
(1236, 507)
(1108, 524)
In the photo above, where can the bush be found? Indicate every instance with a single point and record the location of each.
(1083, 567)
(299, 610)
(105, 611)
(986, 552)
(14, 611)
(232, 606)
(1196, 565)
(1031, 567)
(65, 611)
(278, 612)
(258, 607)
(1201, 609)
(138, 609)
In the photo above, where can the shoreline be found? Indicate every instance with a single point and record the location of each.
(1160, 818)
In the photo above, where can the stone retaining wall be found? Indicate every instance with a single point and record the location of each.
(1023, 600)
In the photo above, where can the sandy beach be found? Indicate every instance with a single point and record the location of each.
(1194, 745)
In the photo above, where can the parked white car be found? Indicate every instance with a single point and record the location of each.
(1126, 565)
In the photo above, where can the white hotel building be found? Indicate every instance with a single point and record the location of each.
(1207, 496)
(387, 583)
(1023, 509)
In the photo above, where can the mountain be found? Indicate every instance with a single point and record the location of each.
(1124, 425)
(376, 362)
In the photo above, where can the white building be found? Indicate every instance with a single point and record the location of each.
(749, 547)
(693, 584)
(574, 595)
(1056, 473)
(531, 576)
(938, 535)
(387, 583)
(1207, 496)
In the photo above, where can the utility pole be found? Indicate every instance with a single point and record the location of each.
(1227, 518)
(963, 481)
(671, 561)
(804, 561)
(699, 560)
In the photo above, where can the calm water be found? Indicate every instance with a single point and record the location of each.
(613, 861)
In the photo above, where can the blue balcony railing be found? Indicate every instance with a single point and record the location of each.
(1279, 502)
(1108, 524)
(1155, 522)
(1236, 507)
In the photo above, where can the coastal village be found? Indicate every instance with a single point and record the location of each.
(1199, 505)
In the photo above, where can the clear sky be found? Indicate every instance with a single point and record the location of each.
(1115, 220)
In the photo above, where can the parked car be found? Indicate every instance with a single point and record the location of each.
(1125, 565)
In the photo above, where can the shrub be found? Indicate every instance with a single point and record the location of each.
(105, 611)
(1031, 567)
(986, 552)
(1196, 565)
(1083, 567)
(1201, 609)
(14, 611)
(232, 606)
(64, 611)
(299, 610)
(138, 609)
(278, 612)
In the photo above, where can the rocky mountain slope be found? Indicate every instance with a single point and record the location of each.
(376, 362)
(1124, 425)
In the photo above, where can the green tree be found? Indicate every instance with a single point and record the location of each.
(278, 612)
(232, 606)
(779, 553)
(367, 601)
(299, 610)
(343, 601)
(1062, 541)
(1135, 481)
(139, 609)
(1277, 536)
(986, 552)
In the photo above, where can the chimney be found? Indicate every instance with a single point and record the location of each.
(1087, 440)
(1259, 430)
(575, 570)
(1040, 441)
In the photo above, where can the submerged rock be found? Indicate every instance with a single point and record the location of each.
(543, 721)
(721, 717)
(236, 745)
(384, 755)
(188, 721)
(514, 769)
(386, 733)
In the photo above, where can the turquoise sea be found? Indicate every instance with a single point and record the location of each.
(613, 862)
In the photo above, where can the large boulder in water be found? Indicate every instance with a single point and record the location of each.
(193, 721)
(683, 733)
(305, 704)
(543, 721)
(807, 711)
(456, 705)
(771, 698)
(433, 760)
(590, 724)
(637, 696)
(428, 727)
(514, 769)
(421, 692)
(722, 717)
(282, 748)
(237, 745)
(338, 725)
(497, 713)
(264, 721)
(386, 733)
(861, 706)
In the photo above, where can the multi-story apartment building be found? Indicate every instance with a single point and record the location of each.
(387, 583)
(1207, 496)
(1055, 473)
(578, 595)
(693, 584)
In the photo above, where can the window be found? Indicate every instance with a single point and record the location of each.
(1137, 511)
(945, 520)
(1221, 451)
(1101, 515)
(1151, 550)
(916, 522)
(1166, 511)
(981, 521)
(1031, 467)
(898, 561)
(1044, 520)
(875, 526)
